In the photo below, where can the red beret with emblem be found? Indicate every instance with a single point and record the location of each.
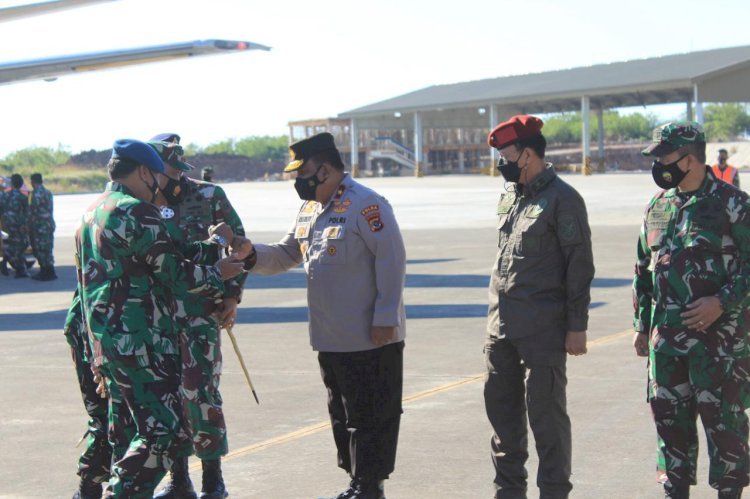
(522, 126)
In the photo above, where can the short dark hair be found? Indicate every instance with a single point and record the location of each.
(120, 168)
(723, 151)
(698, 150)
(330, 156)
(36, 178)
(537, 143)
(16, 180)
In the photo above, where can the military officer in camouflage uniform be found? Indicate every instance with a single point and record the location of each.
(129, 273)
(15, 213)
(539, 296)
(96, 459)
(691, 295)
(354, 256)
(189, 207)
(42, 229)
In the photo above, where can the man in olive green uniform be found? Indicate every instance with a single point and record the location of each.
(691, 296)
(354, 256)
(189, 207)
(15, 214)
(42, 229)
(539, 296)
(129, 273)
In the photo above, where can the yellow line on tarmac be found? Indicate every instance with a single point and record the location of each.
(317, 427)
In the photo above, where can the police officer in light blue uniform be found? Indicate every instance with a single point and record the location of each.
(354, 256)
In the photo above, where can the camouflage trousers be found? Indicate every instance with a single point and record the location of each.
(717, 389)
(15, 247)
(200, 352)
(96, 459)
(146, 429)
(42, 244)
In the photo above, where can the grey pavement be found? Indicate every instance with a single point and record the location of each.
(283, 448)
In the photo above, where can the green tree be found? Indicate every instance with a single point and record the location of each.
(725, 121)
(43, 159)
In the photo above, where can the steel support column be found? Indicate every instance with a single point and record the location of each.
(586, 136)
(354, 136)
(418, 144)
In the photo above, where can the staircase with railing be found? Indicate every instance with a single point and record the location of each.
(387, 148)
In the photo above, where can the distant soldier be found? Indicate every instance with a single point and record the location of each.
(538, 312)
(42, 229)
(208, 174)
(96, 459)
(189, 207)
(129, 273)
(691, 292)
(724, 171)
(15, 215)
(351, 245)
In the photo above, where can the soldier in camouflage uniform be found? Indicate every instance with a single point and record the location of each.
(189, 207)
(42, 229)
(691, 289)
(15, 214)
(129, 273)
(96, 459)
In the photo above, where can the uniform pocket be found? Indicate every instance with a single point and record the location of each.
(333, 252)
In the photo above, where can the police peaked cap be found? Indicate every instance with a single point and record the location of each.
(304, 149)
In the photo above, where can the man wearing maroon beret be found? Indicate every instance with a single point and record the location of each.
(538, 313)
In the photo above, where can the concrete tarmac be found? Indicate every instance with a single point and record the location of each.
(282, 448)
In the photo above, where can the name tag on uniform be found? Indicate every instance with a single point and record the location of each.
(658, 219)
(333, 232)
(302, 231)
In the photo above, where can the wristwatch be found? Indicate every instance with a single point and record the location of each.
(220, 240)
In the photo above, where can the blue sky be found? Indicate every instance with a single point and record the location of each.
(327, 57)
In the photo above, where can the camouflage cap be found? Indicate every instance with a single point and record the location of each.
(171, 154)
(670, 137)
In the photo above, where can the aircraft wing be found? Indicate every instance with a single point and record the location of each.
(39, 8)
(52, 67)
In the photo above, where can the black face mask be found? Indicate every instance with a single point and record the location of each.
(306, 187)
(510, 170)
(153, 188)
(668, 176)
(173, 191)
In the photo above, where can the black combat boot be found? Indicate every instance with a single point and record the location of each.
(88, 489)
(179, 485)
(21, 273)
(364, 489)
(45, 274)
(676, 492)
(4, 267)
(213, 482)
(730, 494)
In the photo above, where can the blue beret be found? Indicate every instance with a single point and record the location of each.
(138, 152)
(165, 137)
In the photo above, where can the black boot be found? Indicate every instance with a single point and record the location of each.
(21, 273)
(45, 274)
(730, 494)
(364, 489)
(4, 267)
(676, 492)
(213, 482)
(179, 485)
(88, 490)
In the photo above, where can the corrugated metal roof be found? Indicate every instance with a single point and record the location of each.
(668, 72)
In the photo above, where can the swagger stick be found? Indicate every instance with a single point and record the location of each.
(242, 362)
